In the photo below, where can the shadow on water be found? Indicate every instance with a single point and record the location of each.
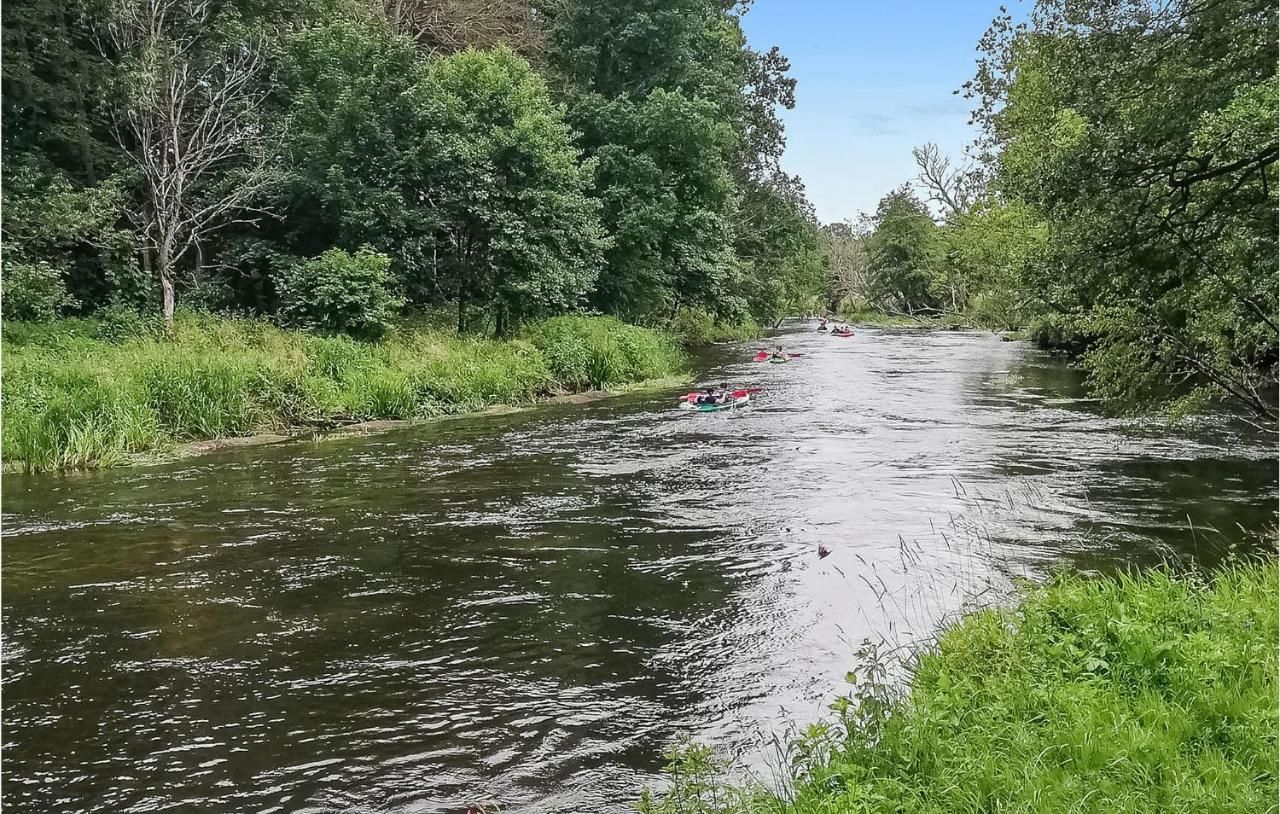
(527, 608)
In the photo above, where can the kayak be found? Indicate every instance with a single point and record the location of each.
(764, 356)
(741, 398)
(842, 334)
(781, 361)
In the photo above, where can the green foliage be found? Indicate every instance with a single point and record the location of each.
(988, 248)
(51, 231)
(33, 290)
(85, 393)
(697, 327)
(592, 352)
(680, 118)
(524, 236)
(1147, 147)
(338, 292)
(354, 146)
(1127, 694)
(645, 181)
(903, 255)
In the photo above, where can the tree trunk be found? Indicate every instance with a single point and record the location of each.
(500, 319)
(165, 270)
(462, 311)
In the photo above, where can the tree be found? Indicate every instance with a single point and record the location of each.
(188, 118)
(848, 266)
(903, 254)
(655, 89)
(358, 151)
(952, 189)
(1144, 133)
(517, 228)
(443, 27)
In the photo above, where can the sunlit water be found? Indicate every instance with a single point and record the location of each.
(526, 609)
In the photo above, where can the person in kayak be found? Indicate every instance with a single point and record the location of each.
(709, 396)
(779, 353)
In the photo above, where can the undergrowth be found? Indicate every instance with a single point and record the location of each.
(85, 393)
(1152, 693)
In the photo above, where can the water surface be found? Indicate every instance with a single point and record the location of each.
(525, 609)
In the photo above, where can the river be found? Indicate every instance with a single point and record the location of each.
(525, 609)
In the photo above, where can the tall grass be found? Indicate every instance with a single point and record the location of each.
(590, 352)
(92, 394)
(1148, 693)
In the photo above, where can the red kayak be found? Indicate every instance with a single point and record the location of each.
(765, 356)
(842, 334)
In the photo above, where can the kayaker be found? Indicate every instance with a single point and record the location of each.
(779, 353)
(709, 396)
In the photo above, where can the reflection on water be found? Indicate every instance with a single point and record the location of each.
(527, 608)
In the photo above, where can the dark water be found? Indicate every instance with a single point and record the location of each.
(525, 609)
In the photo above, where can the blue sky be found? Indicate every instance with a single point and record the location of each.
(875, 79)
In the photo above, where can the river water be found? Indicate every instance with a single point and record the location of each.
(525, 609)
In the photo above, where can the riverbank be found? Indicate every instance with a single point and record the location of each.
(1127, 694)
(880, 319)
(92, 393)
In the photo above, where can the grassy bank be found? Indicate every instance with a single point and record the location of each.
(87, 393)
(1148, 694)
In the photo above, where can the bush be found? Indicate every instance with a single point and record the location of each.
(596, 352)
(33, 291)
(697, 327)
(339, 292)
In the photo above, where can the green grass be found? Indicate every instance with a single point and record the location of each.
(696, 327)
(1129, 694)
(593, 352)
(88, 393)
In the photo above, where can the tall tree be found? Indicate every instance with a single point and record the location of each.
(903, 254)
(517, 228)
(1145, 133)
(654, 87)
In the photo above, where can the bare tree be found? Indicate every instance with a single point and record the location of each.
(953, 189)
(849, 264)
(190, 121)
(449, 26)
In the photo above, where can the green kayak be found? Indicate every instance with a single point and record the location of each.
(715, 408)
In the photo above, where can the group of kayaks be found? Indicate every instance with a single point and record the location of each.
(717, 399)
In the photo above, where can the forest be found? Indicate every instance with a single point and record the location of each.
(351, 167)
(335, 164)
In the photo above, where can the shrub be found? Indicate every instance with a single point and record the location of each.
(338, 292)
(33, 291)
(598, 351)
(697, 327)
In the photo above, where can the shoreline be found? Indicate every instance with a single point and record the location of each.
(187, 450)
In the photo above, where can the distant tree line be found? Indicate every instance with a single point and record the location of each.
(507, 159)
